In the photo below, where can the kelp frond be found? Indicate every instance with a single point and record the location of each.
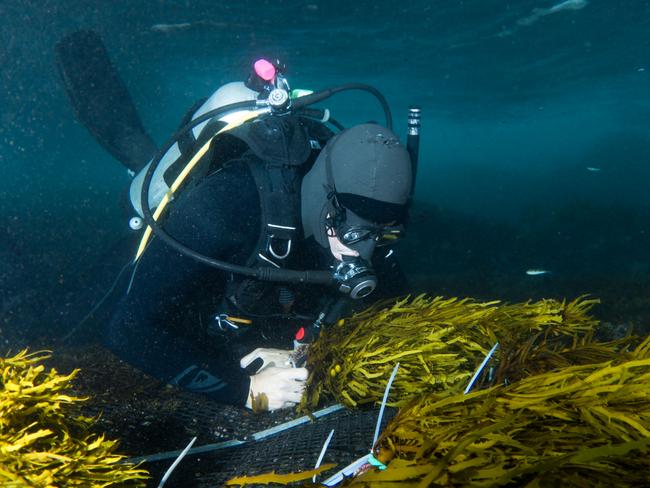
(42, 444)
(586, 425)
(276, 478)
(439, 342)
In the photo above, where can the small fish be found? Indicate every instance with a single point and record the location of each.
(536, 272)
(168, 28)
(568, 5)
(183, 26)
(538, 13)
(592, 168)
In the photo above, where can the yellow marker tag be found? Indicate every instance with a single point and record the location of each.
(239, 320)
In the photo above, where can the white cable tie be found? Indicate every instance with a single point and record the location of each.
(322, 453)
(175, 463)
(348, 471)
(480, 368)
(383, 405)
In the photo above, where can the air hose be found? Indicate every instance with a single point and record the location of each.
(263, 274)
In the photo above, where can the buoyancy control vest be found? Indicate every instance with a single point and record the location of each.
(276, 103)
(278, 151)
(282, 148)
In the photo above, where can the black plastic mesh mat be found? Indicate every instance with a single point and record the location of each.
(292, 450)
(149, 417)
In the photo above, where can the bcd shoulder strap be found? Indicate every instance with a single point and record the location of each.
(278, 188)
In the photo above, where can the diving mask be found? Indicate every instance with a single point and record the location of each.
(352, 230)
(383, 236)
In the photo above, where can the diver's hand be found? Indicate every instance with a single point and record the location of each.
(278, 358)
(282, 387)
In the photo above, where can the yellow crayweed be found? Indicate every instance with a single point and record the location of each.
(439, 342)
(588, 426)
(41, 443)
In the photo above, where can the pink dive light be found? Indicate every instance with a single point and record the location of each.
(265, 70)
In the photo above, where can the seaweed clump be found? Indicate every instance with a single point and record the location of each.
(43, 442)
(440, 342)
(566, 411)
(585, 425)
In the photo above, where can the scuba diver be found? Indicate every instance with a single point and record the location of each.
(261, 220)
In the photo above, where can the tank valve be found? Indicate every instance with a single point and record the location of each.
(278, 99)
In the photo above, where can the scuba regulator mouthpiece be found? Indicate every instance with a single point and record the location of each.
(355, 277)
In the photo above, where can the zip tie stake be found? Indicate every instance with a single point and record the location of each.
(322, 452)
(480, 368)
(369, 458)
(175, 463)
(383, 405)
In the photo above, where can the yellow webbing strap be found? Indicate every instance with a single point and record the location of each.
(239, 320)
(244, 117)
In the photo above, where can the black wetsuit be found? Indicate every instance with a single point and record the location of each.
(160, 325)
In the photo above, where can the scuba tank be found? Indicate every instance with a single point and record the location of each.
(273, 99)
(179, 152)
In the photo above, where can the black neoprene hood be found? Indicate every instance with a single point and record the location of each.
(370, 171)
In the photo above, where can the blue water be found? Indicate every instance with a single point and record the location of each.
(535, 144)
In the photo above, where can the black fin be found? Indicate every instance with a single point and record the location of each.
(101, 100)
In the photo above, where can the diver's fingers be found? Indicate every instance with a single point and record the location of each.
(282, 387)
(293, 397)
(297, 374)
(268, 357)
(250, 357)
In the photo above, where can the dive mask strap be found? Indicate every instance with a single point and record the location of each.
(338, 214)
